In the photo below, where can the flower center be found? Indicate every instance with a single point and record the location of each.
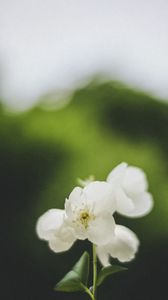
(84, 218)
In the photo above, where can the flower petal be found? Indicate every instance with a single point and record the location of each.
(49, 223)
(75, 201)
(58, 245)
(130, 190)
(63, 240)
(101, 230)
(117, 174)
(103, 255)
(135, 181)
(99, 196)
(143, 204)
(75, 194)
(125, 244)
(124, 204)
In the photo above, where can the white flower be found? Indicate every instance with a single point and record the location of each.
(122, 246)
(130, 191)
(51, 227)
(89, 212)
(87, 215)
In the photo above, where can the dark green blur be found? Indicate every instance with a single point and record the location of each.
(41, 155)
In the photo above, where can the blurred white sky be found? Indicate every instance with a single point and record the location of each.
(48, 45)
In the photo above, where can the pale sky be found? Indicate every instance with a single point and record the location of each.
(52, 45)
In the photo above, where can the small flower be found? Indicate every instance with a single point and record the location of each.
(130, 191)
(52, 228)
(123, 246)
(87, 215)
(89, 212)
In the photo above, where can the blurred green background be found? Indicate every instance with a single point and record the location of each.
(43, 152)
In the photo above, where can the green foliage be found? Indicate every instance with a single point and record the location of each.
(107, 271)
(77, 278)
(82, 268)
(70, 283)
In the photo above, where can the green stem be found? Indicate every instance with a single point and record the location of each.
(90, 294)
(94, 271)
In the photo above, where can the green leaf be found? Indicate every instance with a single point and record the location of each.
(76, 279)
(82, 268)
(70, 283)
(107, 271)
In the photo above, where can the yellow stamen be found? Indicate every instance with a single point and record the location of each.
(84, 218)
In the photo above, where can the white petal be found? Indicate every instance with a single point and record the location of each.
(117, 174)
(125, 244)
(135, 181)
(63, 240)
(101, 230)
(49, 223)
(143, 204)
(80, 232)
(103, 255)
(124, 204)
(59, 245)
(75, 194)
(100, 197)
(75, 201)
(130, 186)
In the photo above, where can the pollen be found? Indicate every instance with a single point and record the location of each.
(85, 217)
